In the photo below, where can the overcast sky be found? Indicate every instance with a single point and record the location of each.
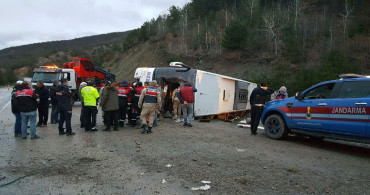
(31, 21)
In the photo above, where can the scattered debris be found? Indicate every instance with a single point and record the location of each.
(243, 122)
(204, 188)
(292, 170)
(169, 165)
(141, 173)
(164, 181)
(248, 126)
(240, 150)
(194, 159)
(2, 177)
(209, 164)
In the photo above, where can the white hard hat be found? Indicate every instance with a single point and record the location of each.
(19, 82)
(83, 83)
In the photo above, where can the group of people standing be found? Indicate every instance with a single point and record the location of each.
(132, 101)
(118, 102)
(25, 102)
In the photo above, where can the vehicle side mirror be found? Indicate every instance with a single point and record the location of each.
(299, 96)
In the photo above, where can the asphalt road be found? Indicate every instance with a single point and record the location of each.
(174, 159)
(4, 98)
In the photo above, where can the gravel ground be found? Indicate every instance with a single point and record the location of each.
(127, 162)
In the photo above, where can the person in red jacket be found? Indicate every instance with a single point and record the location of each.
(124, 93)
(26, 102)
(136, 111)
(186, 97)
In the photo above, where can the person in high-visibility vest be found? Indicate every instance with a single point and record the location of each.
(90, 95)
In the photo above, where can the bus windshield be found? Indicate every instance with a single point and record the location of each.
(46, 77)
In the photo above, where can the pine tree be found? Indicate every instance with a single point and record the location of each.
(235, 36)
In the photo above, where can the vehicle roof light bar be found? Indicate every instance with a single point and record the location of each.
(351, 76)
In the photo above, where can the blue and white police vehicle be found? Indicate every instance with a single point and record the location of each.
(337, 109)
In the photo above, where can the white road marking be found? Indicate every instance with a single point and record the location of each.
(6, 105)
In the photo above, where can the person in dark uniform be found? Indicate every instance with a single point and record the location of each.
(54, 103)
(43, 105)
(124, 92)
(82, 113)
(258, 100)
(64, 97)
(16, 112)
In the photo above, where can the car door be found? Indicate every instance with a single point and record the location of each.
(311, 112)
(350, 111)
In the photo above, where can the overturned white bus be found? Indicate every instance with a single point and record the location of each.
(217, 94)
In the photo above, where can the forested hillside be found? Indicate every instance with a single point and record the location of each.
(29, 56)
(292, 42)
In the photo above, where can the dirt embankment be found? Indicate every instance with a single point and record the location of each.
(158, 53)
